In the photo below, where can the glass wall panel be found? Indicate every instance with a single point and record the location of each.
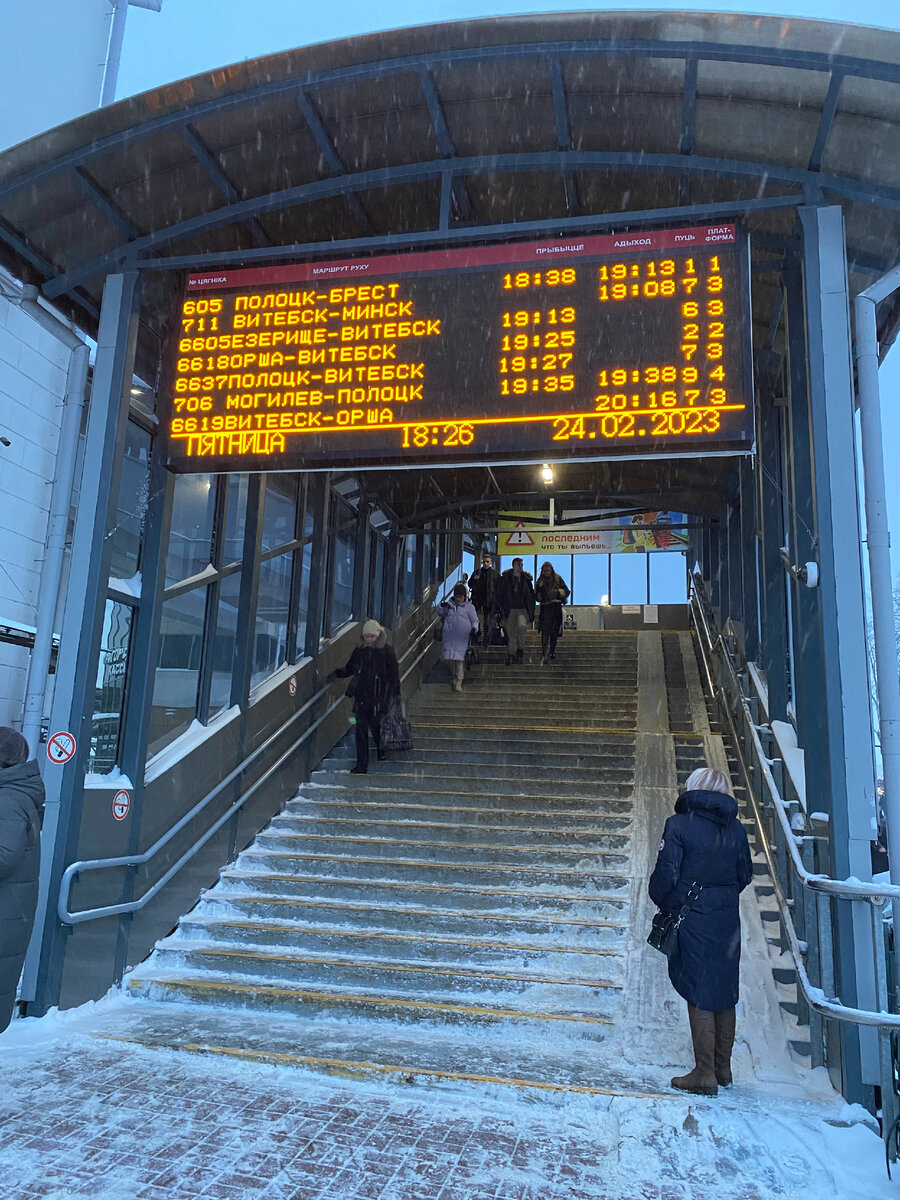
(428, 557)
(110, 692)
(591, 579)
(191, 532)
(303, 597)
(408, 572)
(132, 507)
(178, 668)
(376, 591)
(629, 579)
(223, 644)
(668, 578)
(235, 518)
(272, 607)
(342, 577)
(280, 513)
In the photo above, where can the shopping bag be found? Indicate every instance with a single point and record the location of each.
(396, 731)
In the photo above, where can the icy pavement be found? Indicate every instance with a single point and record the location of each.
(84, 1116)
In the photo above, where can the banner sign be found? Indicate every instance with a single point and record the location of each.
(599, 534)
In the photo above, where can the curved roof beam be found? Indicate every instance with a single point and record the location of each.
(415, 64)
(811, 182)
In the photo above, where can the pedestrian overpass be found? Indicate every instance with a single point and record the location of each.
(221, 557)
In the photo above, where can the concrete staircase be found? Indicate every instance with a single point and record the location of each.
(483, 876)
(474, 909)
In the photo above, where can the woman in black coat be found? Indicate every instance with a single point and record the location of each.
(375, 687)
(551, 593)
(21, 812)
(705, 843)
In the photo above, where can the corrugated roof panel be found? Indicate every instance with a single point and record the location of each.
(499, 198)
(864, 148)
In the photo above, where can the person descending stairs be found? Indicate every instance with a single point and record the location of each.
(492, 878)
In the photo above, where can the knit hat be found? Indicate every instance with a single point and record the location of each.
(13, 747)
(372, 629)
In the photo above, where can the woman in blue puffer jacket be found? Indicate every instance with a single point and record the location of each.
(705, 843)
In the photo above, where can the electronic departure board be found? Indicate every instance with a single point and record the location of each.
(590, 347)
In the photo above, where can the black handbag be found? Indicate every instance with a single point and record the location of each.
(663, 935)
(396, 730)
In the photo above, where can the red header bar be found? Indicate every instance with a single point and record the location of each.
(546, 252)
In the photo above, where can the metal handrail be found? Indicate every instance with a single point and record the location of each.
(137, 860)
(814, 996)
(818, 882)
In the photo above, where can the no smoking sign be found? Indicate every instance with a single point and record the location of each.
(61, 747)
(121, 805)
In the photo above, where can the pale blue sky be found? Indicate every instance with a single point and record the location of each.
(190, 36)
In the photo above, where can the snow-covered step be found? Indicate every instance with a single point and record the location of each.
(374, 788)
(604, 899)
(414, 763)
(433, 920)
(496, 783)
(601, 958)
(537, 812)
(589, 873)
(588, 989)
(278, 852)
(315, 1000)
(608, 834)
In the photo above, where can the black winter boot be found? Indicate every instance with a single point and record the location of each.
(702, 1080)
(725, 1029)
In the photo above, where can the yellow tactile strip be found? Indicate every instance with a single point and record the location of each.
(483, 827)
(443, 866)
(317, 801)
(387, 935)
(416, 885)
(454, 914)
(311, 960)
(360, 839)
(353, 1068)
(196, 986)
(586, 729)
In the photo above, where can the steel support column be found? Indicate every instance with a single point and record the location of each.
(774, 631)
(245, 635)
(82, 627)
(143, 653)
(800, 539)
(748, 541)
(392, 576)
(361, 560)
(734, 608)
(845, 702)
(317, 498)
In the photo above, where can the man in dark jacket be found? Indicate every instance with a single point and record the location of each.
(515, 598)
(21, 813)
(483, 586)
(376, 685)
(704, 862)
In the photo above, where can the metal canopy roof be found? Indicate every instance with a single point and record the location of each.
(466, 131)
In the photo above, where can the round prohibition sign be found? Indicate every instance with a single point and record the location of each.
(121, 805)
(292, 686)
(61, 747)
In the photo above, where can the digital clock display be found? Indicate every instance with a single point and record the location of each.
(596, 347)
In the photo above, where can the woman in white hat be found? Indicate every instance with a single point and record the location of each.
(375, 687)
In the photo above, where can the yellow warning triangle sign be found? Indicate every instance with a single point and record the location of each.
(519, 536)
